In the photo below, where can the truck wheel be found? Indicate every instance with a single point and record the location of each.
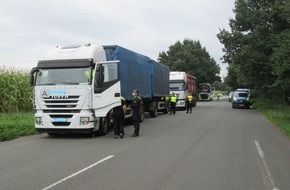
(103, 126)
(142, 113)
(153, 113)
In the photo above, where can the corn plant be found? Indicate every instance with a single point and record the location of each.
(15, 91)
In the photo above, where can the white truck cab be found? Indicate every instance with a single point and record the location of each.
(65, 96)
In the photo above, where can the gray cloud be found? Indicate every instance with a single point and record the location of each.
(28, 28)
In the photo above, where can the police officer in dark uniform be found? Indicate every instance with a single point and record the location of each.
(135, 105)
(118, 119)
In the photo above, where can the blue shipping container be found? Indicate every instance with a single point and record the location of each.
(138, 71)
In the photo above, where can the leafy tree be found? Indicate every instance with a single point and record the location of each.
(191, 57)
(281, 65)
(255, 46)
(219, 86)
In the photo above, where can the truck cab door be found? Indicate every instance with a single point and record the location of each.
(106, 87)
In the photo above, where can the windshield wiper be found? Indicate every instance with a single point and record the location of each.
(47, 84)
(73, 83)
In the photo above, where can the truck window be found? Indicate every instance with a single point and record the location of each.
(106, 77)
(60, 76)
(176, 86)
(110, 72)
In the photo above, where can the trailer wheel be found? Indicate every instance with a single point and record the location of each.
(154, 112)
(103, 126)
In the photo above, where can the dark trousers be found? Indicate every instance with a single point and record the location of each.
(172, 107)
(188, 107)
(118, 121)
(136, 122)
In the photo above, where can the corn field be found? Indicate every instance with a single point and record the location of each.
(15, 91)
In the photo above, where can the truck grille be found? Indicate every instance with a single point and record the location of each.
(69, 102)
(61, 110)
(204, 96)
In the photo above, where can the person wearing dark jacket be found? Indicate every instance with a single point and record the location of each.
(135, 105)
(118, 119)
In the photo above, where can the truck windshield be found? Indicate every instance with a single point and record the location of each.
(176, 86)
(61, 76)
(204, 88)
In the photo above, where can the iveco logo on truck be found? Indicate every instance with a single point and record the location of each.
(54, 94)
(58, 96)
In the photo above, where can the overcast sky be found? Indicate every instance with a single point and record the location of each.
(28, 28)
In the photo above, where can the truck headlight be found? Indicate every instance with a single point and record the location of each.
(38, 121)
(84, 120)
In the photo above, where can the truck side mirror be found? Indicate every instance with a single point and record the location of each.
(99, 80)
(31, 77)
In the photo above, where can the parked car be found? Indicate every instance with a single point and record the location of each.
(241, 99)
(231, 96)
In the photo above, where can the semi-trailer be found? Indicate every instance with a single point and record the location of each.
(182, 83)
(76, 87)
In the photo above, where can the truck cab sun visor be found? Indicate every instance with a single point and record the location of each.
(68, 63)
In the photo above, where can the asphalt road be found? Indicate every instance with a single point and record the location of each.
(216, 147)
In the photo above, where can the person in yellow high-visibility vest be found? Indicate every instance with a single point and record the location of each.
(173, 101)
(189, 102)
(167, 102)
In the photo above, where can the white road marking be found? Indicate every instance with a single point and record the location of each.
(261, 153)
(77, 173)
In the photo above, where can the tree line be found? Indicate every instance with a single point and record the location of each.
(257, 47)
(189, 56)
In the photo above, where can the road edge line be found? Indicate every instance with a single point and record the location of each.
(261, 153)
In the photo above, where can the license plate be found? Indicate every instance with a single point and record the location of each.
(59, 119)
(241, 104)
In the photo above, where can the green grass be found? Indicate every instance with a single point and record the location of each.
(15, 125)
(276, 113)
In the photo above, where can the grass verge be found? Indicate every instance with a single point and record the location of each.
(276, 113)
(15, 125)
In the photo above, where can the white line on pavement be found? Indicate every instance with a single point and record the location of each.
(261, 153)
(77, 173)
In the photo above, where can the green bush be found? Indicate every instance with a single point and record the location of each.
(16, 125)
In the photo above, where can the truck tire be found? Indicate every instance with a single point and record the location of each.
(154, 112)
(103, 126)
